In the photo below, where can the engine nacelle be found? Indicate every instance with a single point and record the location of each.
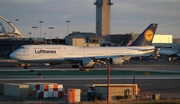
(86, 63)
(126, 58)
(116, 61)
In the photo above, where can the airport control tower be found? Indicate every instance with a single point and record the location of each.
(103, 16)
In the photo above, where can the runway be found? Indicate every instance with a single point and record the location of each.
(92, 77)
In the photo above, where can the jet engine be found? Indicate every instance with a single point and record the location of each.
(116, 61)
(87, 63)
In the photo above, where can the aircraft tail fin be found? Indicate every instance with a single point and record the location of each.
(2, 30)
(146, 37)
(129, 43)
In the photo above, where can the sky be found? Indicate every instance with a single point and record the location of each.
(126, 16)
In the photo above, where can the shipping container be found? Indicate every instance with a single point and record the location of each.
(18, 90)
(49, 90)
(73, 95)
(116, 91)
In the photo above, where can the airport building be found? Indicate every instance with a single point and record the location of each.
(121, 39)
(163, 38)
(83, 39)
(92, 39)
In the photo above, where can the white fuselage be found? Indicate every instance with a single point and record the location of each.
(55, 53)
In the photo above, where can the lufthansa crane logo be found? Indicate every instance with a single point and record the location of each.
(148, 34)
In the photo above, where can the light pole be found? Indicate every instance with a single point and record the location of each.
(40, 27)
(29, 34)
(17, 22)
(34, 27)
(96, 35)
(67, 26)
(45, 35)
(108, 84)
(50, 28)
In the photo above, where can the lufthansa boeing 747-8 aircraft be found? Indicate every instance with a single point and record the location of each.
(86, 56)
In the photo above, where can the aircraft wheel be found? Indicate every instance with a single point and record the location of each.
(84, 69)
(77, 66)
(72, 66)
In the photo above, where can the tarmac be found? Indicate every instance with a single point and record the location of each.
(165, 82)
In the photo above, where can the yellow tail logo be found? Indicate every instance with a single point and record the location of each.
(148, 34)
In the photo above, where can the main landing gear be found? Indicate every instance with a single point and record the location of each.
(26, 66)
(75, 66)
(83, 69)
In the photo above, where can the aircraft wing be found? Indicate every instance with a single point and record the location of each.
(101, 57)
(141, 51)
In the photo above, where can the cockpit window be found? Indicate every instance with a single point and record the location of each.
(21, 47)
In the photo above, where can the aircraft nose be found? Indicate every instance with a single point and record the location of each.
(12, 55)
